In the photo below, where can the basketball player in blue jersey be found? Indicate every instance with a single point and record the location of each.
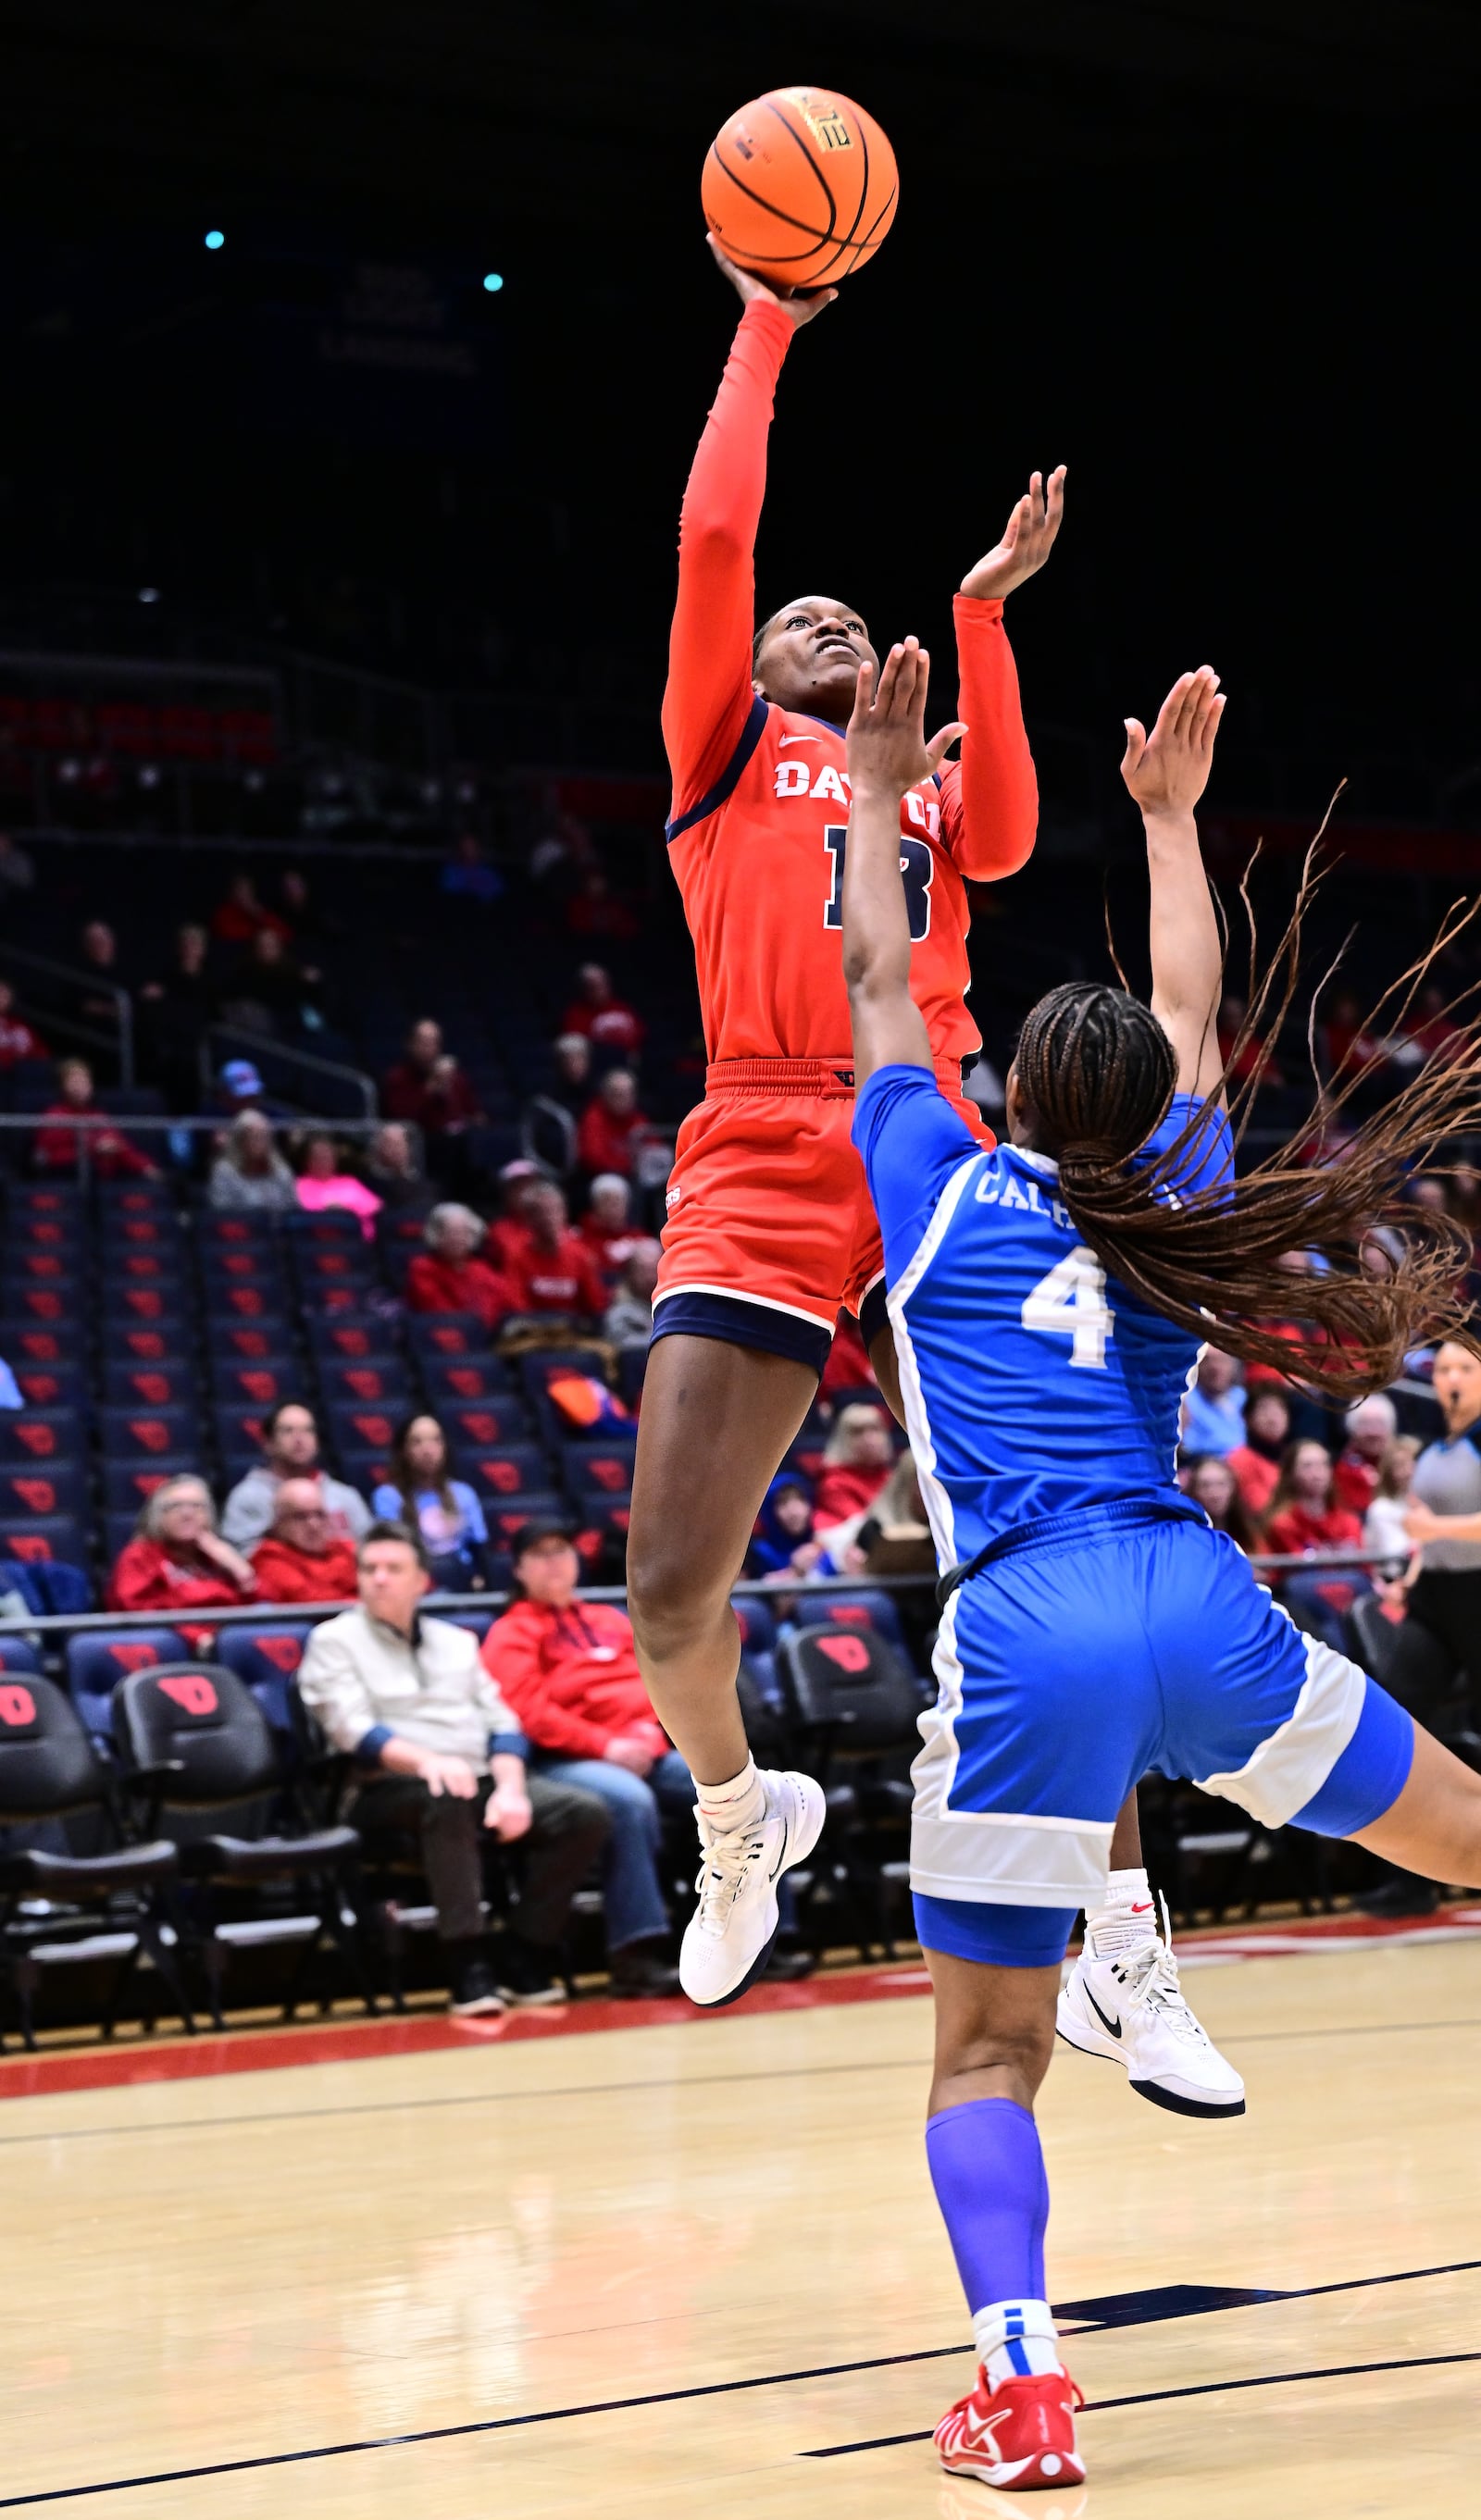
(1049, 1300)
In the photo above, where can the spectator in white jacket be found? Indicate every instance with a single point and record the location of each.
(440, 1756)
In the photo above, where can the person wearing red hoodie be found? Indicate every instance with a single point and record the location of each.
(567, 1670)
(449, 1278)
(110, 1154)
(552, 1269)
(612, 1127)
(303, 1557)
(856, 1463)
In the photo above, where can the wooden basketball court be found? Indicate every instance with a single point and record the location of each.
(653, 2268)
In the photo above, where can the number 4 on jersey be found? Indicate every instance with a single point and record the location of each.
(1070, 1303)
(917, 868)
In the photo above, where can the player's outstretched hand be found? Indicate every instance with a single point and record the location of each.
(1028, 538)
(1167, 771)
(888, 750)
(797, 310)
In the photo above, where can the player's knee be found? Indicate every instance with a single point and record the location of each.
(1019, 2049)
(672, 1597)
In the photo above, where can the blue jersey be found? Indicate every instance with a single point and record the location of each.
(1033, 1383)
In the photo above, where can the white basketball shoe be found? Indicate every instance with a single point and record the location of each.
(728, 1940)
(1126, 2002)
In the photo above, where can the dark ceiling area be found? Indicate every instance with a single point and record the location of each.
(1219, 261)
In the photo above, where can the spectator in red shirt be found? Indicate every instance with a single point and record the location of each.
(428, 1086)
(509, 1233)
(1256, 1462)
(606, 1020)
(110, 1154)
(241, 915)
(856, 1463)
(449, 1278)
(568, 1671)
(17, 1039)
(848, 1367)
(1303, 1517)
(1350, 1047)
(1371, 1425)
(177, 1561)
(612, 1126)
(554, 1270)
(303, 1557)
(607, 1229)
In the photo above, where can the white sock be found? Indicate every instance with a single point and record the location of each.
(1127, 1919)
(1016, 2339)
(738, 1804)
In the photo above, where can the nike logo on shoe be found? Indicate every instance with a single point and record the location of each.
(1114, 2027)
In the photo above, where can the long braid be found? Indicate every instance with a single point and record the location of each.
(1099, 1073)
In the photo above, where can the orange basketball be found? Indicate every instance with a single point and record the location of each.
(800, 187)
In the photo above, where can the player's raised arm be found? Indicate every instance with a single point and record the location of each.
(990, 803)
(709, 655)
(888, 753)
(1167, 772)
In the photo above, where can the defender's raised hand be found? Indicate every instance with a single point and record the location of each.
(1028, 538)
(797, 310)
(887, 749)
(1167, 771)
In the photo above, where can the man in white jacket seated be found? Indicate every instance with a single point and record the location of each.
(441, 1757)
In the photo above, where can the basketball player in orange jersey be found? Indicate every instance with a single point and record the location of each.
(769, 1227)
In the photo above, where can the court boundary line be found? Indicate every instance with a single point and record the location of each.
(604, 2091)
(1160, 2397)
(786, 2379)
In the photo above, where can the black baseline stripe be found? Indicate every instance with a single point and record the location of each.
(602, 2091)
(1114, 2303)
(1160, 2397)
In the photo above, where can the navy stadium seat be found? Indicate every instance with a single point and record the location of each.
(602, 1469)
(161, 1385)
(247, 1265)
(44, 1305)
(237, 1431)
(246, 1382)
(632, 1366)
(128, 1485)
(266, 1657)
(126, 1302)
(447, 1334)
(157, 1233)
(16, 1655)
(476, 1622)
(371, 1382)
(368, 1430)
(326, 1225)
(32, 1342)
(135, 1198)
(472, 1425)
(236, 1233)
(29, 1264)
(365, 1472)
(46, 1488)
(128, 1268)
(98, 1661)
(251, 1302)
(502, 1471)
(466, 1379)
(58, 1386)
(45, 1198)
(62, 1537)
(146, 1342)
(864, 1609)
(504, 1515)
(40, 1435)
(147, 1434)
(351, 1337)
(247, 1342)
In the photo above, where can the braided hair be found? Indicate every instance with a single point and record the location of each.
(1098, 1073)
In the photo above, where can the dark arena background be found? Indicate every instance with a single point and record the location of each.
(354, 362)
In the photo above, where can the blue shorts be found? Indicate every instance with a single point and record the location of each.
(1108, 1645)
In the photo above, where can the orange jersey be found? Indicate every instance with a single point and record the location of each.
(760, 808)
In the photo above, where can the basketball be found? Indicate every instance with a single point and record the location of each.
(800, 187)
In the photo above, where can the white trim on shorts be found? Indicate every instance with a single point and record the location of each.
(1009, 1859)
(1294, 1762)
(737, 1295)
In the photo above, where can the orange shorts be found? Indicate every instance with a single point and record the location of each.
(770, 1231)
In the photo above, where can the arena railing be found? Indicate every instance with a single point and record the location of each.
(194, 1124)
(272, 1058)
(81, 983)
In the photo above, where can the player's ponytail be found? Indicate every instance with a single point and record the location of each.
(1097, 1071)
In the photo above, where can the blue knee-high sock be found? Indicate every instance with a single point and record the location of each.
(987, 2169)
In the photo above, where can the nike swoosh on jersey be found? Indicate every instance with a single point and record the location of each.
(797, 738)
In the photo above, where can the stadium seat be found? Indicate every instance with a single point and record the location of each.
(365, 1472)
(476, 1622)
(632, 1366)
(45, 1198)
(29, 1264)
(237, 1431)
(201, 1734)
(603, 1470)
(17, 1654)
(32, 1342)
(126, 1302)
(44, 1306)
(45, 1489)
(148, 1434)
(447, 1334)
(247, 1342)
(370, 1429)
(351, 1338)
(98, 1661)
(333, 1226)
(465, 1378)
(135, 1198)
(865, 1609)
(248, 1302)
(40, 1435)
(147, 1386)
(157, 1233)
(471, 1426)
(56, 1538)
(140, 1343)
(266, 1658)
(127, 1268)
(240, 1382)
(758, 1638)
(853, 1702)
(332, 1298)
(234, 1233)
(249, 1264)
(50, 1386)
(381, 1383)
(502, 1471)
(128, 1485)
(504, 1515)
(49, 1771)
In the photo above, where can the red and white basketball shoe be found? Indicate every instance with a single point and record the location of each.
(1020, 2434)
